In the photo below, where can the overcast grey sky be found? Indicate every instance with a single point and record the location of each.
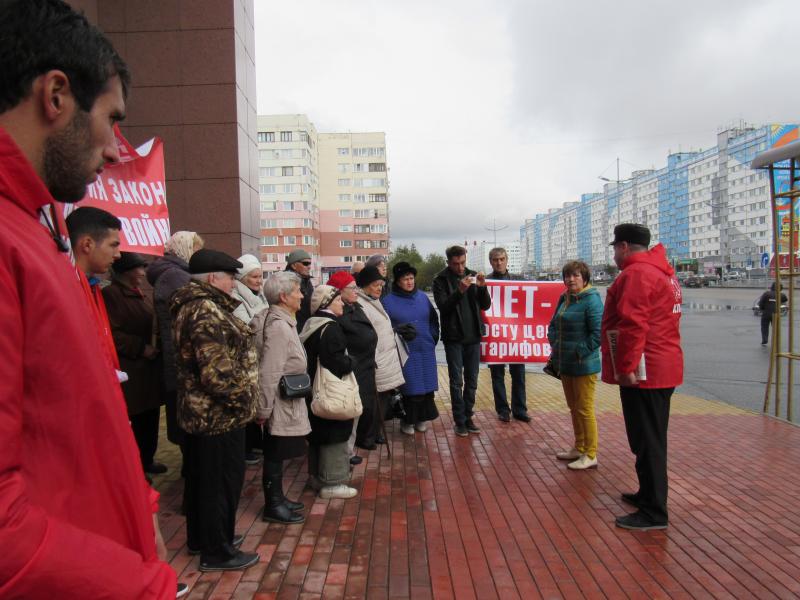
(503, 109)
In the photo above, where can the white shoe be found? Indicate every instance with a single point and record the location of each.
(584, 462)
(338, 491)
(407, 429)
(570, 454)
(422, 426)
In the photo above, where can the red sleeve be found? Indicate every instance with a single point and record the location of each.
(153, 496)
(45, 557)
(633, 308)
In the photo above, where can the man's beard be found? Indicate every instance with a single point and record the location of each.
(66, 157)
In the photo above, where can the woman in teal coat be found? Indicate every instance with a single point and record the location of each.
(574, 336)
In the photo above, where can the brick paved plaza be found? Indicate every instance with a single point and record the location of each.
(496, 515)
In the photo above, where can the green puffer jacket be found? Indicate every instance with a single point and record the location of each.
(216, 360)
(574, 332)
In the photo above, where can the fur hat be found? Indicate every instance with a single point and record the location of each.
(367, 275)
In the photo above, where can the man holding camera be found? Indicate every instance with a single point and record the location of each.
(460, 295)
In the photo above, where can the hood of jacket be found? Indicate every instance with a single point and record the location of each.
(200, 290)
(312, 325)
(168, 262)
(246, 295)
(19, 183)
(656, 256)
(589, 290)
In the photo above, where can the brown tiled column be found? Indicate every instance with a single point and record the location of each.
(193, 70)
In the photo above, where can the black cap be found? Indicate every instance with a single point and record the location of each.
(402, 268)
(206, 260)
(633, 233)
(367, 275)
(128, 261)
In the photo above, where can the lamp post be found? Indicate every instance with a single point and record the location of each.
(494, 228)
(619, 193)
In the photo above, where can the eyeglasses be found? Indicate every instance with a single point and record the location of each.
(306, 263)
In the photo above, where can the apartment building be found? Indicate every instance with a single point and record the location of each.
(708, 208)
(353, 198)
(288, 187)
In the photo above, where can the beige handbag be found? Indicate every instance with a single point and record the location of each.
(334, 398)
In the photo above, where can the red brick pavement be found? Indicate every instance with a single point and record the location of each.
(496, 515)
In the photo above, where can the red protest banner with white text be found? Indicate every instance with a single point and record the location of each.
(517, 322)
(134, 191)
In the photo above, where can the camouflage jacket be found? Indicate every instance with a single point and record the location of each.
(217, 362)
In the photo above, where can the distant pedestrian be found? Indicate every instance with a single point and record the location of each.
(574, 336)
(460, 295)
(641, 347)
(768, 305)
(299, 261)
(498, 257)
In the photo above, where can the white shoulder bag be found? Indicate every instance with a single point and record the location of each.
(333, 398)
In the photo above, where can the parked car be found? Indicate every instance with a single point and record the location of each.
(695, 282)
(732, 276)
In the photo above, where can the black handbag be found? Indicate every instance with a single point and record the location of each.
(550, 369)
(295, 386)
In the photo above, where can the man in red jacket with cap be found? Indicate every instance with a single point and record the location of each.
(641, 346)
(75, 513)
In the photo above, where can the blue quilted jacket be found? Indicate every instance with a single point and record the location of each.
(574, 332)
(420, 370)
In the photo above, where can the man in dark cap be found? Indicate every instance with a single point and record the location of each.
(299, 261)
(641, 347)
(217, 368)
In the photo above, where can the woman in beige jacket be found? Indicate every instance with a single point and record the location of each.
(285, 420)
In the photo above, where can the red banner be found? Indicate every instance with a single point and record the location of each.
(517, 322)
(134, 191)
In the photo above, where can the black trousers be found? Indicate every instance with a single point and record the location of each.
(145, 430)
(646, 415)
(214, 479)
(766, 321)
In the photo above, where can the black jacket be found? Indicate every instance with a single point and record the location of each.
(504, 276)
(305, 306)
(767, 303)
(447, 296)
(361, 343)
(329, 345)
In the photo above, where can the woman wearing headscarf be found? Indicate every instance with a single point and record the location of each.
(415, 319)
(324, 340)
(574, 335)
(166, 274)
(247, 289)
(379, 262)
(131, 316)
(361, 343)
(388, 370)
(285, 420)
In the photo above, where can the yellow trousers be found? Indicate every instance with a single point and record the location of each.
(579, 391)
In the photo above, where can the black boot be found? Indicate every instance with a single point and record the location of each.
(275, 509)
(293, 506)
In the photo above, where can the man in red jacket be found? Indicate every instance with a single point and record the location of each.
(641, 346)
(75, 515)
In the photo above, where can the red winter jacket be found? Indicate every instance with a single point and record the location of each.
(75, 514)
(644, 305)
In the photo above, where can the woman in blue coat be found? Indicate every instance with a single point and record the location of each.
(411, 311)
(574, 335)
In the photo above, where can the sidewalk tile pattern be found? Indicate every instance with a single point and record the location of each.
(495, 515)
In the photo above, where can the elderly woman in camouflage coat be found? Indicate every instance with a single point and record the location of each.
(217, 394)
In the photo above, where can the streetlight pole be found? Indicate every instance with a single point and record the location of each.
(494, 228)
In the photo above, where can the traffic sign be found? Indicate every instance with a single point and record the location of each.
(764, 260)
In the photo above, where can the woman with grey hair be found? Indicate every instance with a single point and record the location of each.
(379, 262)
(284, 420)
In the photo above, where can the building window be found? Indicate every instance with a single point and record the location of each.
(287, 171)
(290, 188)
(286, 136)
(269, 171)
(360, 167)
(306, 222)
(303, 136)
(345, 228)
(269, 240)
(359, 198)
(268, 206)
(268, 223)
(266, 188)
(266, 136)
(343, 167)
(347, 259)
(377, 197)
(377, 167)
(289, 240)
(343, 151)
(286, 205)
(369, 182)
(343, 182)
(345, 243)
(308, 240)
(289, 223)
(345, 213)
(344, 198)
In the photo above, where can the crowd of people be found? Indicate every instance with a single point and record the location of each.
(243, 366)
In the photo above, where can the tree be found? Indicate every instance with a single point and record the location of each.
(432, 265)
(406, 254)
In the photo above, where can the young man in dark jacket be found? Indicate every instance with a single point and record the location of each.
(767, 303)
(460, 295)
(498, 257)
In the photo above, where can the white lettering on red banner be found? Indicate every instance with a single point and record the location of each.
(517, 322)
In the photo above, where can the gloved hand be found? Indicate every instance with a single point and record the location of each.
(407, 331)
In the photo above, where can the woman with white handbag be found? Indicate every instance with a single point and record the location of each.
(335, 394)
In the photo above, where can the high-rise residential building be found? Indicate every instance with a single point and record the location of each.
(288, 189)
(709, 209)
(354, 198)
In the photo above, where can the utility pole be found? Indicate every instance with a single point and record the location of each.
(494, 228)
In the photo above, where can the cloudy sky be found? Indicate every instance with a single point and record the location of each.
(500, 109)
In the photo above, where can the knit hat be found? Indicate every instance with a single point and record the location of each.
(249, 263)
(367, 275)
(375, 260)
(128, 261)
(402, 268)
(297, 255)
(322, 297)
(341, 279)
